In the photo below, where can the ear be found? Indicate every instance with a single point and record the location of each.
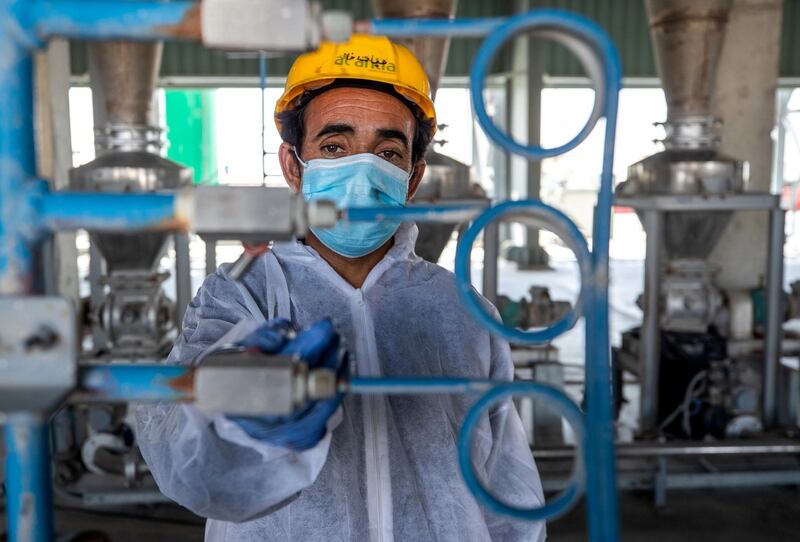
(290, 167)
(416, 178)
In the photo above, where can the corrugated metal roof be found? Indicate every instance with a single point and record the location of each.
(626, 23)
(625, 20)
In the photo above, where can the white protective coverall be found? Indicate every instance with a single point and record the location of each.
(387, 469)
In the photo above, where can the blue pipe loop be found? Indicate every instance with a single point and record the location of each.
(540, 215)
(576, 33)
(560, 402)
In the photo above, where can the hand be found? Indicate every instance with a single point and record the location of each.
(318, 346)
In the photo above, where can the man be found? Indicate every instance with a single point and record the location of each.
(356, 119)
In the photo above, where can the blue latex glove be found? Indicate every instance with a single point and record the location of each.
(318, 346)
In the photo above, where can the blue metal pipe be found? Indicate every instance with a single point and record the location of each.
(107, 19)
(407, 28)
(137, 383)
(17, 162)
(28, 480)
(108, 212)
(418, 385)
(603, 508)
(442, 213)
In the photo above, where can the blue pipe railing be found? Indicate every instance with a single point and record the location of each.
(108, 19)
(107, 212)
(602, 507)
(29, 485)
(444, 28)
(443, 212)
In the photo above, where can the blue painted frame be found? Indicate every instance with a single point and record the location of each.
(29, 211)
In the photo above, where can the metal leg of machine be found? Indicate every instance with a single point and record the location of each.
(183, 276)
(774, 316)
(650, 337)
(211, 256)
(491, 251)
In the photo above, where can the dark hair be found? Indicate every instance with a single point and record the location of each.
(293, 120)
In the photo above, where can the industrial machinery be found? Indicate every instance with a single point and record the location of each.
(707, 358)
(42, 367)
(130, 314)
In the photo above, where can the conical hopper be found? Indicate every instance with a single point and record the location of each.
(431, 52)
(687, 40)
(130, 171)
(125, 75)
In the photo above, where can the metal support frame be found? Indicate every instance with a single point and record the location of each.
(211, 255)
(638, 480)
(774, 316)
(646, 465)
(491, 252)
(526, 83)
(29, 484)
(183, 276)
(650, 343)
(653, 209)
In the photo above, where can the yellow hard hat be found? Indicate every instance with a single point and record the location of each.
(364, 57)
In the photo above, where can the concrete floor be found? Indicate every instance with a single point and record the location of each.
(698, 516)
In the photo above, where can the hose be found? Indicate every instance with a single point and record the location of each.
(532, 213)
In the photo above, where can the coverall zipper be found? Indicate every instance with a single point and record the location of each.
(371, 410)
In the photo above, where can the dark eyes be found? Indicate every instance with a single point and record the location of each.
(389, 155)
(333, 149)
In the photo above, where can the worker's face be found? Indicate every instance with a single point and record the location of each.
(345, 121)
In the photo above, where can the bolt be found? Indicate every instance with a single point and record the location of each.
(44, 338)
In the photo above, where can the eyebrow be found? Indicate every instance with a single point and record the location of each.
(335, 129)
(393, 134)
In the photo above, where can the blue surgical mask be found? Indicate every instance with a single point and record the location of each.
(358, 180)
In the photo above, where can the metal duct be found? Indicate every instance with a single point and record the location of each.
(432, 52)
(127, 72)
(687, 38)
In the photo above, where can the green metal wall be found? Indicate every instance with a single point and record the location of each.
(790, 39)
(625, 20)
